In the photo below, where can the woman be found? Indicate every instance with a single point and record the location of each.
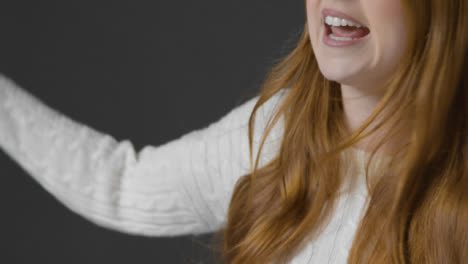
(371, 84)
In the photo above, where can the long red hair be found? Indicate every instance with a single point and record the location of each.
(418, 207)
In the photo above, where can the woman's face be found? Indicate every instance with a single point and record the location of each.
(357, 56)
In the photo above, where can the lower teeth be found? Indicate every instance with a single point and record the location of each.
(340, 38)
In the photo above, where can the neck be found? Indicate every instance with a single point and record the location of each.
(358, 105)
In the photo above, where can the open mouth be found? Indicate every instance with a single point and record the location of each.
(346, 33)
(342, 29)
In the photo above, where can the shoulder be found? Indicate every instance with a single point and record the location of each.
(265, 114)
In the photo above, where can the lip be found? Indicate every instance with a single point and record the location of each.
(331, 12)
(340, 43)
(326, 29)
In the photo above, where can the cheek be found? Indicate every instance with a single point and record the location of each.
(312, 11)
(385, 13)
(388, 28)
(313, 20)
(311, 7)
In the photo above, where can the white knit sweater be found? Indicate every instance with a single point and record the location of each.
(178, 188)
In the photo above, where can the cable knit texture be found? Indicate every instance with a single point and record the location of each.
(181, 187)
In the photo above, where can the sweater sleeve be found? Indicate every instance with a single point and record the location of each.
(181, 187)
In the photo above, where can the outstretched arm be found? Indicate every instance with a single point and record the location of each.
(181, 187)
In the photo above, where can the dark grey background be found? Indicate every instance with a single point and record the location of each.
(148, 71)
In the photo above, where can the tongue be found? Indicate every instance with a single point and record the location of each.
(350, 32)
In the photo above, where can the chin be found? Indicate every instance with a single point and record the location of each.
(341, 75)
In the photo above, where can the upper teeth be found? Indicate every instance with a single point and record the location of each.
(336, 21)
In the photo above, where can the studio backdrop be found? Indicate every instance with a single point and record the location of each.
(146, 71)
